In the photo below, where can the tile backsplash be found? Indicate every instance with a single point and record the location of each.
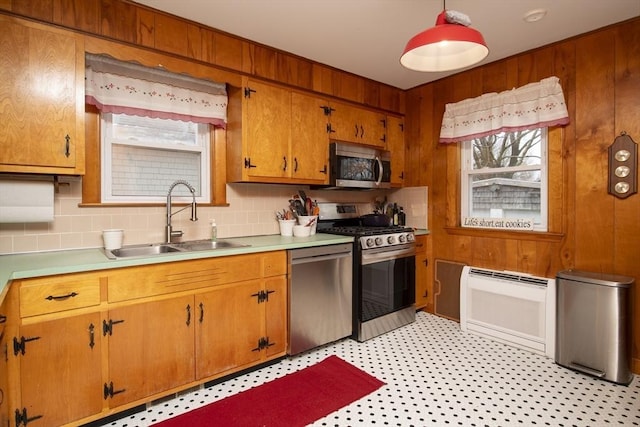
(250, 211)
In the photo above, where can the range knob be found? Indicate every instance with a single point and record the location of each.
(402, 238)
(378, 241)
(391, 240)
(410, 237)
(369, 242)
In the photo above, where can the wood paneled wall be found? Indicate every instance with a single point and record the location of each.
(589, 229)
(135, 24)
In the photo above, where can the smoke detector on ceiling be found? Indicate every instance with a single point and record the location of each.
(534, 15)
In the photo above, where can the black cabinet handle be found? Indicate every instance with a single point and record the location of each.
(201, 313)
(67, 145)
(285, 163)
(92, 341)
(61, 297)
(188, 315)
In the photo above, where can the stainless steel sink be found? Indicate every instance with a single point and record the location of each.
(166, 248)
(205, 245)
(140, 251)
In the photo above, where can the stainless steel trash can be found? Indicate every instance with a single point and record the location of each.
(593, 324)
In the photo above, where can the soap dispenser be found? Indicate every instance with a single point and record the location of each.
(214, 230)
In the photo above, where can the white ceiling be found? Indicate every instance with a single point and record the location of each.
(367, 37)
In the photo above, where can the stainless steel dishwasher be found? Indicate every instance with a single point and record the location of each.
(320, 296)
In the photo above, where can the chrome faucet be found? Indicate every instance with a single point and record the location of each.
(170, 233)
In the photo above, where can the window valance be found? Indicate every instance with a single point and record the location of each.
(531, 106)
(124, 87)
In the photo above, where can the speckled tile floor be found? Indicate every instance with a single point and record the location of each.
(437, 375)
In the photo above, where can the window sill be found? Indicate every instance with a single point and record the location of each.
(141, 205)
(502, 234)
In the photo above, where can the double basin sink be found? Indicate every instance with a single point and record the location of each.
(165, 248)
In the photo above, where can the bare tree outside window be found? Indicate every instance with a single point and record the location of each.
(504, 176)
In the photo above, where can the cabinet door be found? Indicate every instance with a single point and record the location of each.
(150, 348)
(353, 124)
(42, 98)
(276, 315)
(60, 369)
(395, 144)
(424, 282)
(374, 128)
(229, 328)
(4, 369)
(267, 117)
(309, 138)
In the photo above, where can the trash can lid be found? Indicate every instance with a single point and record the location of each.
(596, 278)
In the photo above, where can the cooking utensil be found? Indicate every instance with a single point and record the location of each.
(308, 207)
(296, 206)
(375, 220)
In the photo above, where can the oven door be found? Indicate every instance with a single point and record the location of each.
(387, 281)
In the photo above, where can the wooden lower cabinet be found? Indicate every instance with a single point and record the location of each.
(424, 278)
(60, 376)
(74, 363)
(150, 348)
(4, 368)
(240, 326)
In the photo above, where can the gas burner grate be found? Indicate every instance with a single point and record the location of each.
(363, 231)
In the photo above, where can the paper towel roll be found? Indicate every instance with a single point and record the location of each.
(26, 201)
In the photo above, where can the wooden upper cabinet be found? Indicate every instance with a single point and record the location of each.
(359, 125)
(309, 137)
(42, 98)
(279, 136)
(395, 144)
(267, 121)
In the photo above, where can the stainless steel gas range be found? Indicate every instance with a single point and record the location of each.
(383, 270)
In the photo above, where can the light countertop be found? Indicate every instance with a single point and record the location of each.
(38, 264)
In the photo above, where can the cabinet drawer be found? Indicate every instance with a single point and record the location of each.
(139, 282)
(58, 293)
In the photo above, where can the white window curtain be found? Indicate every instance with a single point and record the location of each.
(127, 88)
(531, 106)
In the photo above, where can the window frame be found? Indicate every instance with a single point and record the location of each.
(203, 146)
(467, 172)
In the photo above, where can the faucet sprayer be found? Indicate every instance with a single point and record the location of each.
(194, 217)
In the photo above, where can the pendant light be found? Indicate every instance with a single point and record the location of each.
(450, 45)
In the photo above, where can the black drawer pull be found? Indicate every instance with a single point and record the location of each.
(61, 297)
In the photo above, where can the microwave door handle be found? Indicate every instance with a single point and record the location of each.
(380, 171)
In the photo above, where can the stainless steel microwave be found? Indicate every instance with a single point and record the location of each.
(359, 166)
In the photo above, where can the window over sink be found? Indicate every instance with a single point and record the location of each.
(156, 127)
(142, 156)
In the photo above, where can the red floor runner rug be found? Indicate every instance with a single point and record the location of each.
(297, 399)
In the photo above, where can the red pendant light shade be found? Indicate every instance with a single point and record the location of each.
(444, 47)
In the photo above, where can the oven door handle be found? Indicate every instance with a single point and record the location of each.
(380, 170)
(372, 258)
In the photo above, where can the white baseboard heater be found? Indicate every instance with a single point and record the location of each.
(514, 308)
